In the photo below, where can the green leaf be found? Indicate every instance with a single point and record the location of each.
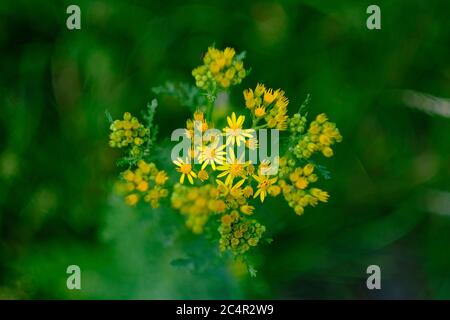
(252, 271)
(241, 56)
(108, 116)
(185, 94)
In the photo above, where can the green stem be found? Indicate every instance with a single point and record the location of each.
(209, 111)
(261, 126)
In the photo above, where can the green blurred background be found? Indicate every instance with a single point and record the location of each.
(390, 190)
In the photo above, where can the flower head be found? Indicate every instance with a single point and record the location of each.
(234, 132)
(220, 69)
(264, 183)
(185, 169)
(145, 182)
(212, 155)
(232, 169)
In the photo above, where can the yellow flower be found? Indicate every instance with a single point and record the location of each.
(264, 182)
(211, 155)
(327, 152)
(145, 179)
(312, 178)
(260, 112)
(324, 139)
(260, 89)
(226, 219)
(322, 118)
(132, 199)
(198, 116)
(220, 69)
(144, 166)
(186, 170)
(248, 97)
(251, 143)
(161, 177)
(247, 209)
(308, 169)
(320, 195)
(274, 190)
(128, 175)
(142, 186)
(219, 205)
(128, 132)
(299, 210)
(234, 132)
(203, 175)
(228, 54)
(269, 96)
(232, 169)
(248, 191)
(301, 183)
(235, 191)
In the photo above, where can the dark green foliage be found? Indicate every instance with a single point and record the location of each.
(390, 174)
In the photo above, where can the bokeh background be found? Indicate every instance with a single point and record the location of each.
(390, 190)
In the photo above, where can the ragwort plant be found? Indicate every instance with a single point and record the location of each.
(216, 181)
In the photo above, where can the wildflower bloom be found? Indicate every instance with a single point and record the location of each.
(234, 191)
(128, 133)
(195, 203)
(131, 199)
(230, 185)
(248, 191)
(145, 182)
(269, 96)
(212, 155)
(220, 69)
(319, 137)
(185, 169)
(161, 177)
(260, 112)
(269, 104)
(248, 96)
(232, 169)
(247, 209)
(202, 175)
(234, 132)
(252, 143)
(264, 183)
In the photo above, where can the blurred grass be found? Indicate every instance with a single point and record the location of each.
(56, 168)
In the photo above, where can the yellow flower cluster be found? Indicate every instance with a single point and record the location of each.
(268, 104)
(239, 234)
(211, 153)
(223, 184)
(294, 183)
(320, 136)
(199, 120)
(128, 132)
(145, 182)
(235, 196)
(220, 69)
(197, 204)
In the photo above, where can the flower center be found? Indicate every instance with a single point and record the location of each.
(264, 184)
(234, 130)
(185, 168)
(236, 169)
